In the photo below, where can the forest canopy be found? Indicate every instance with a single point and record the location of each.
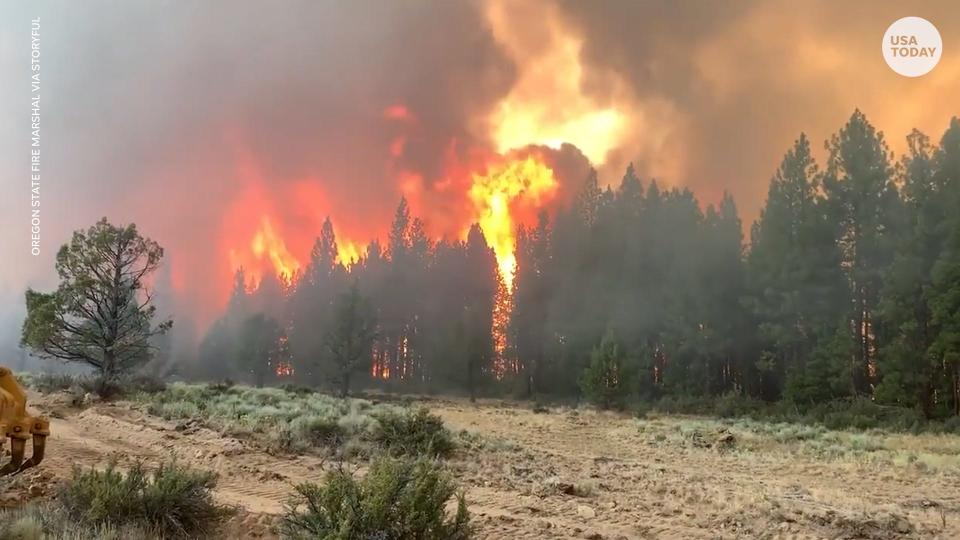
(848, 286)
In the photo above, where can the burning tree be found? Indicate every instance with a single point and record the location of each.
(102, 313)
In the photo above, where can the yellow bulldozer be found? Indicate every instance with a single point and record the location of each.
(16, 424)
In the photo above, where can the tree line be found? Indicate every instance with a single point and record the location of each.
(849, 286)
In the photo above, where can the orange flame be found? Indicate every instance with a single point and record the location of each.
(266, 244)
(349, 252)
(268, 248)
(500, 196)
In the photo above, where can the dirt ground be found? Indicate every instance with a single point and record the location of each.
(571, 474)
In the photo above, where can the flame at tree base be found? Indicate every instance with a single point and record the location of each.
(502, 309)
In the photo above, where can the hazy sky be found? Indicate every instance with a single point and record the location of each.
(195, 118)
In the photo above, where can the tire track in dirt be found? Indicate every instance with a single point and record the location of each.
(248, 477)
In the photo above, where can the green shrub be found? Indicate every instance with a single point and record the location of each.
(297, 389)
(684, 404)
(47, 382)
(412, 433)
(220, 387)
(838, 414)
(862, 413)
(396, 500)
(641, 410)
(952, 425)
(731, 405)
(174, 500)
(93, 384)
(280, 420)
(318, 431)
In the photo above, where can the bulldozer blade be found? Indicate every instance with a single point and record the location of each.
(18, 447)
(16, 424)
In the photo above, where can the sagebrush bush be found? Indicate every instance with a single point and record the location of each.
(283, 420)
(220, 386)
(93, 384)
(396, 500)
(173, 500)
(148, 384)
(295, 421)
(47, 382)
(412, 433)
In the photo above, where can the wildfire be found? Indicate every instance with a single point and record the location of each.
(349, 252)
(267, 244)
(500, 196)
(548, 105)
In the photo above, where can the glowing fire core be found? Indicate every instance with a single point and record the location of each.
(500, 196)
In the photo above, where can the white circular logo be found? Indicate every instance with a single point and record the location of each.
(912, 46)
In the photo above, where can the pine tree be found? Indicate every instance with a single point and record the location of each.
(797, 291)
(531, 297)
(102, 313)
(945, 293)
(311, 305)
(906, 367)
(480, 287)
(863, 200)
(350, 337)
(606, 380)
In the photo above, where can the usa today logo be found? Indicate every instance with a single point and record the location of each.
(912, 46)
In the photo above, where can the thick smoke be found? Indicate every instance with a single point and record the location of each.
(172, 115)
(723, 88)
(194, 118)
